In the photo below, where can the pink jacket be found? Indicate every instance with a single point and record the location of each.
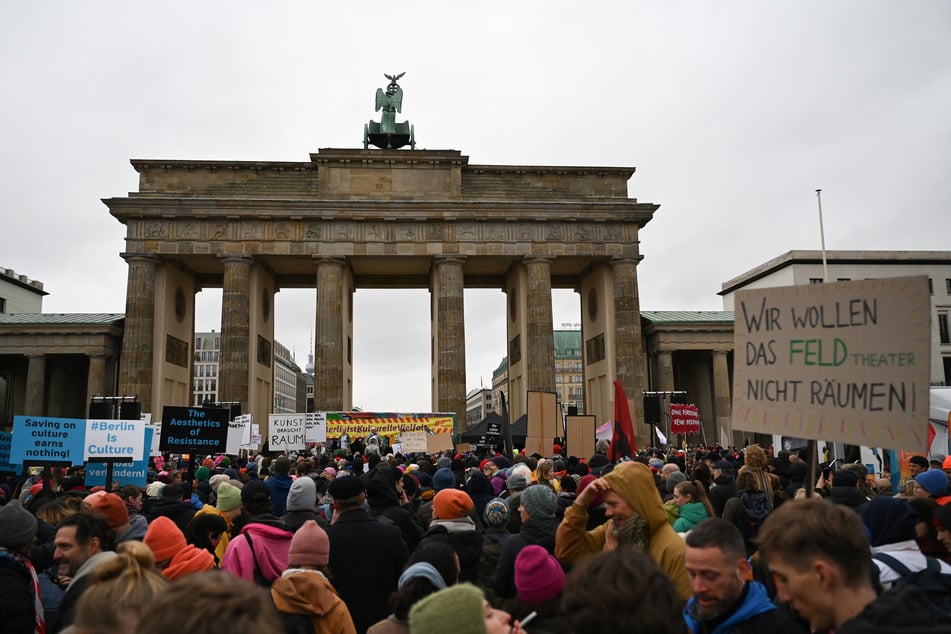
(271, 545)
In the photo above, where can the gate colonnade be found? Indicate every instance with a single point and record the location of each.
(350, 219)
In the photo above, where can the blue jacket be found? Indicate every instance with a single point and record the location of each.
(280, 486)
(756, 602)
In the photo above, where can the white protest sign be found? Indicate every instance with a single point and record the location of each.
(845, 362)
(255, 437)
(114, 439)
(414, 442)
(156, 438)
(316, 426)
(236, 433)
(286, 432)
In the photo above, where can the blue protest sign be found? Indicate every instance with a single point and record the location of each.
(135, 472)
(41, 439)
(6, 438)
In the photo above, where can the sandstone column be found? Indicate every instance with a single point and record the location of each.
(449, 337)
(722, 403)
(330, 345)
(135, 376)
(665, 372)
(35, 385)
(540, 327)
(234, 358)
(96, 379)
(630, 362)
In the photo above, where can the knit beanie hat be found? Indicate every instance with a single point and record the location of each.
(217, 480)
(443, 462)
(538, 576)
(112, 508)
(674, 479)
(189, 560)
(516, 482)
(303, 495)
(309, 546)
(255, 492)
(17, 525)
(451, 504)
(539, 501)
(933, 481)
(164, 538)
(154, 490)
(202, 474)
(443, 479)
(208, 463)
(583, 484)
(889, 520)
(229, 497)
(496, 513)
(457, 609)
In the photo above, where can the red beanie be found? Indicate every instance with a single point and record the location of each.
(451, 504)
(309, 546)
(538, 576)
(165, 538)
(583, 484)
(187, 561)
(113, 508)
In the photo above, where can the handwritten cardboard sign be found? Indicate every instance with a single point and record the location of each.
(846, 362)
(287, 432)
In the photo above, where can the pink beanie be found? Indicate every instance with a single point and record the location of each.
(309, 546)
(538, 576)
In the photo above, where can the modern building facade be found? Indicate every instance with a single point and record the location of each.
(20, 294)
(805, 267)
(479, 404)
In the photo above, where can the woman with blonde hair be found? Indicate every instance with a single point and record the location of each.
(755, 464)
(543, 475)
(121, 588)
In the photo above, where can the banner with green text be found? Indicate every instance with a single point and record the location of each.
(845, 362)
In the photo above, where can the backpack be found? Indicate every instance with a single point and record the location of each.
(935, 584)
(754, 507)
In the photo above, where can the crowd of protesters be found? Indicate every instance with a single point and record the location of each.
(335, 540)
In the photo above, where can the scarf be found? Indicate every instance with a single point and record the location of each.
(39, 626)
(634, 531)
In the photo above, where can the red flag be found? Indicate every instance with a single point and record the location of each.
(622, 442)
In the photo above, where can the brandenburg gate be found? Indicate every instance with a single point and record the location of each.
(378, 218)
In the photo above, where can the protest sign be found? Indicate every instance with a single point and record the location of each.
(439, 442)
(239, 432)
(185, 429)
(255, 436)
(358, 424)
(414, 442)
(6, 439)
(316, 426)
(123, 473)
(684, 418)
(113, 440)
(287, 432)
(846, 362)
(44, 439)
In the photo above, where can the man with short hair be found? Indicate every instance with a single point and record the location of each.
(724, 599)
(366, 554)
(917, 464)
(819, 558)
(83, 542)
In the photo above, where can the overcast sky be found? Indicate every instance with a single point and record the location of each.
(733, 114)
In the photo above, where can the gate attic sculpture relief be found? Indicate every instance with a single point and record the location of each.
(350, 219)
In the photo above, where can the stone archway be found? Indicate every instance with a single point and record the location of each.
(350, 219)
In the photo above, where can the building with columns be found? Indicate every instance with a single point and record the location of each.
(350, 219)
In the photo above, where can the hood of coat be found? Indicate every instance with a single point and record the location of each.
(305, 592)
(634, 482)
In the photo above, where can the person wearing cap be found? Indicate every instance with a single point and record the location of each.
(366, 554)
(171, 504)
(302, 504)
(629, 493)
(432, 567)
(383, 486)
(279, 483)
(227, 506)
(539, 580)
(442, 479)
(83, 542)
(724, 486)
(460, 609)
(303, 594)
(21, 609)
(258, 552)
(934, 484)
(520, 476)
(453, 524)
(537, 506)
(174, 557)
(111, 506)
